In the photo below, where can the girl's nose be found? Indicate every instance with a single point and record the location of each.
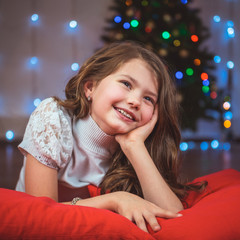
(134, 102)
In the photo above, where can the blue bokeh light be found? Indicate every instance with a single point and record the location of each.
(73, 24)
(34, 17)
(230, 64)
(231, 32)
(205, 83)
(228, 115)
(9, 135)
(184, 1)
(34, 60)
(230, 23)
(226, 146)
(216, 18)
(126, 25)
(117, 19)
(36, 102)
(75, 66)
(204, 146)
(214, 144)
(183, 146)
(179, 75)
(217, 59)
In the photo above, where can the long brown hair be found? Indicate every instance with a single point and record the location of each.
(162, 143)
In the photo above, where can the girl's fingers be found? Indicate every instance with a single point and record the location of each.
(152, 221)
(140, 222)
(168, 214)
(152, 218)
(129, 217)
(141, 211)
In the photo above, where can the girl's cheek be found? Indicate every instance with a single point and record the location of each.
(148, 116)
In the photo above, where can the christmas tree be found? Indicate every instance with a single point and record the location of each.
(176, 33)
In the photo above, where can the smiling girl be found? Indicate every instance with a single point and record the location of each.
(117, 129)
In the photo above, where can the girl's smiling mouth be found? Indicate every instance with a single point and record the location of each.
(125, 113)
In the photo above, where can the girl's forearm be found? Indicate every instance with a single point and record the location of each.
(106, 201)
(154, 187)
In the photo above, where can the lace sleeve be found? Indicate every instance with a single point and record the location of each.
(48, 136)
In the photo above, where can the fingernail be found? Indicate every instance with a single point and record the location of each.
(157, 228)
(179, 215)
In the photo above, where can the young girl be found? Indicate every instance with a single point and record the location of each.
(117, 129)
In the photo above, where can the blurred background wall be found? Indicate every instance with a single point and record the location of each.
(36, 57)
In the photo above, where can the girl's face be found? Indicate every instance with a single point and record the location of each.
(125, 99)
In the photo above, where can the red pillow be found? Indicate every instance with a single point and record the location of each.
(27, 217)
(214, 214)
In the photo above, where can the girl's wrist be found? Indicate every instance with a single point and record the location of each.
(116, 200)
(107, 201)
(113, 201)
(133, 146)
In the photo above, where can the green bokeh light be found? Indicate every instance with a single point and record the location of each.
(205, 89)
(166, 35)
(189, 71)
(134, 23)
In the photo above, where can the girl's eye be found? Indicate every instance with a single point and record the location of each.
(127, 84)
(149, 99)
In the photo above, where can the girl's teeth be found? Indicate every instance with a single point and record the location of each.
(125, 114)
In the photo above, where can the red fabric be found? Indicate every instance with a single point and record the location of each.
(214, 214)
(94, 191)
(27, 217)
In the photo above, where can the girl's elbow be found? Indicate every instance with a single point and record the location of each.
(175, 208)
(179, 207)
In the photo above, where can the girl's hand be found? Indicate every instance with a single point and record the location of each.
(139, 134)
(140, 211)
(134, 208)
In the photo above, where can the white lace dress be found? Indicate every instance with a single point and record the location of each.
(78, 149)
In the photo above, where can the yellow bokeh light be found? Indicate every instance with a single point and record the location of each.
(176, 43)
(227, 123)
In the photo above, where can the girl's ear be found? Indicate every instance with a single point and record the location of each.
(89, 87)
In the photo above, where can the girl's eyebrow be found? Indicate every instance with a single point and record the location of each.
(135, 82)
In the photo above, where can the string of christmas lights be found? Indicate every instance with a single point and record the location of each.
(33, 60)
(230, 33)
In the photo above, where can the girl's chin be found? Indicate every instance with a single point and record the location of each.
(116, 131)
(124, 131)
(116, 128)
